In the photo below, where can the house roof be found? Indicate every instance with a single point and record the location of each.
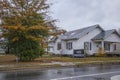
(76, 34)
(105, 34)
(52, 39)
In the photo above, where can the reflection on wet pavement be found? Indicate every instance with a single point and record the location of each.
(48, 74)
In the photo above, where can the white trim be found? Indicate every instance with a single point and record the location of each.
(105, 73)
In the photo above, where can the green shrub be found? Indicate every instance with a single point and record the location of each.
(100, 53)
(26, 50)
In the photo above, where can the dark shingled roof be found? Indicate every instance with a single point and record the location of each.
(76, 34)
(104, 34)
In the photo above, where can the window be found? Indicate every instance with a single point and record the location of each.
(90, 46)
(114, 46)
(48, 49)
(69, 45)
(107, 46)
(59, 46)
(87, 45)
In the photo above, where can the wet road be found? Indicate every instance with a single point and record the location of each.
(103, 72)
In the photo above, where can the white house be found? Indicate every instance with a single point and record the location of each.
(86, 40)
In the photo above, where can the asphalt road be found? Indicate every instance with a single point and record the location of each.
(103, 72)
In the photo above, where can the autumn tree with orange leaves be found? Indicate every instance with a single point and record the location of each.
(24, 26)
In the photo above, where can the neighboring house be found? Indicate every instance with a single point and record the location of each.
(86, 40)
(118, 45)
(1, 46)
(51, 44)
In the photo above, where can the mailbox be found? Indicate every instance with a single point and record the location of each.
(79, 53)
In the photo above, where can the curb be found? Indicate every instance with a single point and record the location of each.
(117, 77)
(54, 64)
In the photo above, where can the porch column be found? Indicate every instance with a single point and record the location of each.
(102, 42)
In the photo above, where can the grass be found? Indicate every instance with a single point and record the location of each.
(9, 60)
(9, 63)
(12, 58)
(67, 59)
(70, 59)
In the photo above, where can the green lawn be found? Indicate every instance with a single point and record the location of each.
(11, 59)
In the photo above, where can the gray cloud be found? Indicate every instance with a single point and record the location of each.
(74, 14)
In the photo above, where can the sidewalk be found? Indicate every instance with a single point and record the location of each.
(117, 77)
(19, 66)
(74, 63)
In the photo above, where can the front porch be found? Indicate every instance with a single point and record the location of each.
(108, 47)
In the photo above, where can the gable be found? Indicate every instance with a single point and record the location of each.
(114, 37)
(104, 34)
(77, 34)
(88, 36)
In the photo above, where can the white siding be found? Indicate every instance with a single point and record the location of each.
(63, 50)
(56, 51)
(51, 47)
(113, 38)
(112, 45)
(87, 38)
(118, 47)
(70, 52)
(77, 44)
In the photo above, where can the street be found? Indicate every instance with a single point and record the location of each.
(101, 72)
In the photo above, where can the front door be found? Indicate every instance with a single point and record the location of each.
(107, 46)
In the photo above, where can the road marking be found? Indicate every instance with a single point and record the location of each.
(85, 75)
(117, 77)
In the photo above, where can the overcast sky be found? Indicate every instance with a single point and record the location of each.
(76, 14)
